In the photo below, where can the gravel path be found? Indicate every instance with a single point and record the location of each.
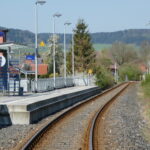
(124, 124)
(69, 134)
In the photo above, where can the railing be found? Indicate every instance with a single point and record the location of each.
(12, 87)
(45, 85)
(48, 84)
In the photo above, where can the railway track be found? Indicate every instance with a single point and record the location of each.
(90, 138)
(95, 134)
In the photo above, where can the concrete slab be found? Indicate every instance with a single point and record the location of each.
(33, 107)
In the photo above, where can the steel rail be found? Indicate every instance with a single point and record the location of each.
(34, 140)
(98, 114)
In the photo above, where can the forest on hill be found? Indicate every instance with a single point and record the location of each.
(131, 36)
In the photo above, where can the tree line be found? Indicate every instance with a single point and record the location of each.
(127, 58)
(135, 36)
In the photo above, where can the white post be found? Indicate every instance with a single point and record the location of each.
(73, 71)
(65, 70)
(41, 2)
(8, 72)
(54, 47)
(115, 72)
(19, 69)
(65, 54)
(36, 48)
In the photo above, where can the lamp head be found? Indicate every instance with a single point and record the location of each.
(41, 2)
(57, 15)
(67, 23)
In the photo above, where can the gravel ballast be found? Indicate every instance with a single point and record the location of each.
(12, 136)
(124, 124)
(123, 127)
(69, 134)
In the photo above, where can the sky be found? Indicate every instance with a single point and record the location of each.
(100, 15)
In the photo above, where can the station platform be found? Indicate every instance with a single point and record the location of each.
(32, 107)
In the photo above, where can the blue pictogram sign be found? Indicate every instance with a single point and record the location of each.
(30, 57)
(1, 33)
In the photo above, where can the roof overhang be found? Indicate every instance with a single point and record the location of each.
(11, 45)
(27, 72)
(3, 30)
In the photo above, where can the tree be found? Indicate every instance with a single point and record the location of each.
(123, 53)
(83, 49)
(145, 51)
(131, 71)
(103, 58)
(104, 78)
(58, 55)
(69, 62)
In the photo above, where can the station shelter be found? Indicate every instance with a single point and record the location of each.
(9, 68)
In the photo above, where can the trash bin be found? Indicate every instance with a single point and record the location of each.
(21, 91)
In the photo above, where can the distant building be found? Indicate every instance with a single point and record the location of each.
(143, 68)
(113, 68)
(42, 68)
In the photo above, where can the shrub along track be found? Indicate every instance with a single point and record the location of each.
(53, 135)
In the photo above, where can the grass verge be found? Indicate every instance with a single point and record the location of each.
(144, 103)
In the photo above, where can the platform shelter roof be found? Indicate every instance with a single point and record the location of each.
(12, 46)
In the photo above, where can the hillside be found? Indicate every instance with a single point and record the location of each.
(135, 36)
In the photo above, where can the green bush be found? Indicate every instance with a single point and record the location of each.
(147, 79)
(130, 71)
(104, 78)
(52, 75)
(44, 76)
(146, 86)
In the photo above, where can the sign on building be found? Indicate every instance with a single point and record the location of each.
(30, 57)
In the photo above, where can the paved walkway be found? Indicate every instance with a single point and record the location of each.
(34, 97)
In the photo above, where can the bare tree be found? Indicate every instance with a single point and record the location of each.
(103, 58)
(145, 51)
(123, 53)
(48, 56)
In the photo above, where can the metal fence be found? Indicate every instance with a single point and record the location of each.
(84, 80)
(48, 84)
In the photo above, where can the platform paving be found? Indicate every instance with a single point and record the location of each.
(29, 98)
(32, 107)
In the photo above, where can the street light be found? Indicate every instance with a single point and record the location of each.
(73, 56)
(54, 47)
(65, 24)
(41, 2)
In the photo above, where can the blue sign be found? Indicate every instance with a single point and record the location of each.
(30, 57)
(1, 33)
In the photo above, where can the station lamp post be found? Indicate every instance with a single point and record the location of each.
(41, 2)
(54, 47)
(73, 70)
(65, 24)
